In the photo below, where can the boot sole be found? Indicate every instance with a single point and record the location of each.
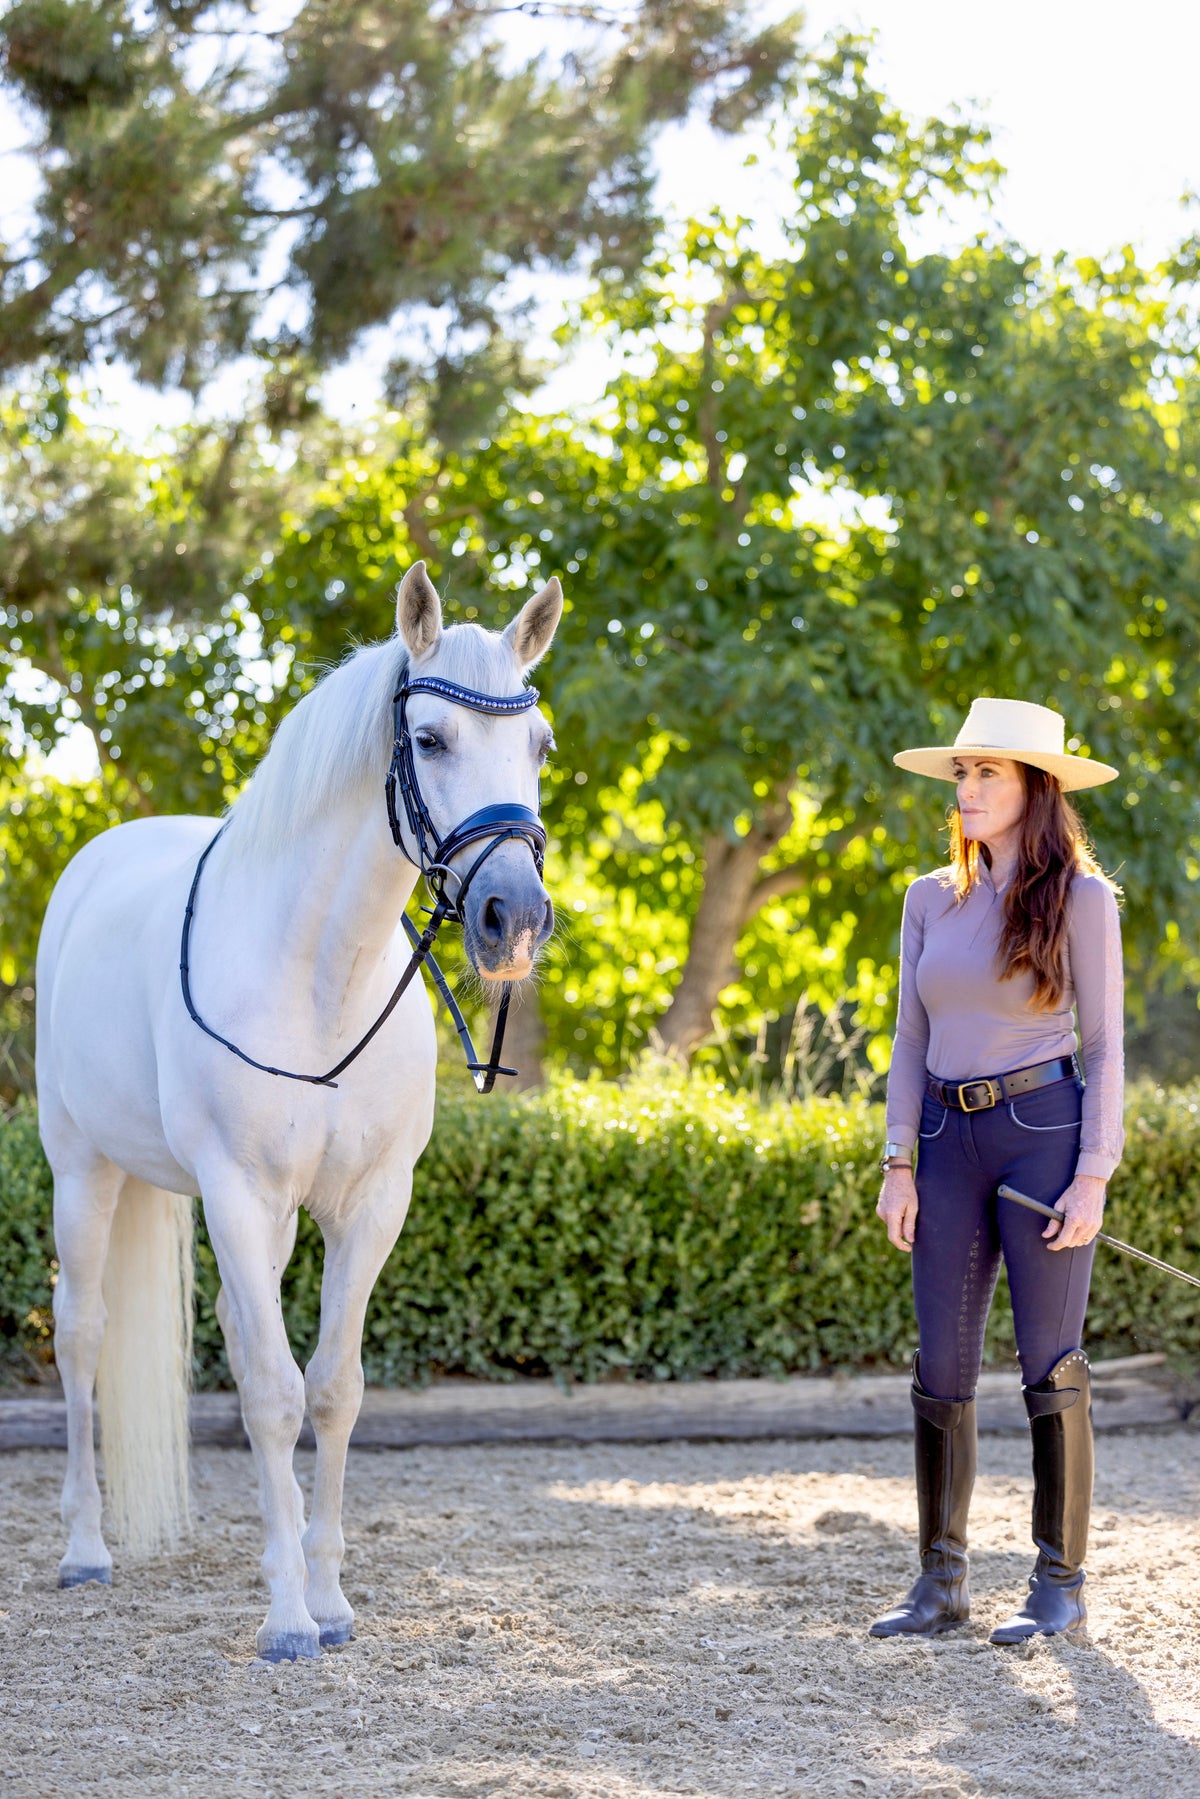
(930, 1630)
(1077, 1636)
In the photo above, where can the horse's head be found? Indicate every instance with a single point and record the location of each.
(466, 760)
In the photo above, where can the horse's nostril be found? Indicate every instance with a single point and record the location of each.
(547, 920)
(493, 919)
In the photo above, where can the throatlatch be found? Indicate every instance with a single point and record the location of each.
(497, 824)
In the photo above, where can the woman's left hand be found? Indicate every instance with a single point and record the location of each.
(1083, 1203)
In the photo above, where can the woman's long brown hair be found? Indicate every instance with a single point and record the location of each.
(1054, 848)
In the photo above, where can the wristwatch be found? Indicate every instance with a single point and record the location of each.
(895, 1155)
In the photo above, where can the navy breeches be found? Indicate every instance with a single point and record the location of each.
(964, 1228)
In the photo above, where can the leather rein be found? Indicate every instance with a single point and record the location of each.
(491, 826)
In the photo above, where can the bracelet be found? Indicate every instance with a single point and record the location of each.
(895, 1155)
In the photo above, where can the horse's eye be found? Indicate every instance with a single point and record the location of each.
(427, 741)
(544, 750)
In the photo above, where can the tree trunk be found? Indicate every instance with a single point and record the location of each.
(733, 892)
(730, 882)
(524, 1040)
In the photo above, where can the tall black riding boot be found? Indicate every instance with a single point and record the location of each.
(1060, 1422)
(945, 1442)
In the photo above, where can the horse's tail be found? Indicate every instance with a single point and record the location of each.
(145, 1366)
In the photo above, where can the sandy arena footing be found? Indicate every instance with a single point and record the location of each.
(628, 1620)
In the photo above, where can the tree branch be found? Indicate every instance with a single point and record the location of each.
(418, 527)
(795, 877)
(715, 458)
(777, 885)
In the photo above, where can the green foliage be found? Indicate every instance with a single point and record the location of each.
(27, 1264)
(121, 590)
(374, 159)
(42, 823)
(665, 1228)
(830, 495)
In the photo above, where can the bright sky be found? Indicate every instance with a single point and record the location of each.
(1093, 103)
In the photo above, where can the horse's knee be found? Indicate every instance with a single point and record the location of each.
(334, 1390)
(272, 1398)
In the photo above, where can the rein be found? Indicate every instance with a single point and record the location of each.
(491, 825)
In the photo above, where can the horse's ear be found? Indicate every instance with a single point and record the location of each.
(530, 633)
(418, 611)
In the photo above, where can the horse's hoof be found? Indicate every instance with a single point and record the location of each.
(79, 1577)
(292, 1646)
(334, 1634)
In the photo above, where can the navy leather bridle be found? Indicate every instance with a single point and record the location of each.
(491, 826)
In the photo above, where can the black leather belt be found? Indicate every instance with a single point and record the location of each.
(993, 1090)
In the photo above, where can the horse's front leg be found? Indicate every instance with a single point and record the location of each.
(248, 1240)
(285, 1243)
(355, 1251)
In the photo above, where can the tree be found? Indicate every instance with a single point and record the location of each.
(122, 577)
(830, 496)
(1004, 456)
(212, 187)
(824, 503)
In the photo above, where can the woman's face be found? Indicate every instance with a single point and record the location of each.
(991, 798)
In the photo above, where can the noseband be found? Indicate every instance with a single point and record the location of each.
(491, 826)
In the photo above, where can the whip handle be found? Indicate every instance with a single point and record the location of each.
(1034, 1205)
(1127, 1249)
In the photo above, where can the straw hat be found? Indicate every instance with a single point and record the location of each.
(1019, 731)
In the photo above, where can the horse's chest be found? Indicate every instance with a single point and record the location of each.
(328, 1164)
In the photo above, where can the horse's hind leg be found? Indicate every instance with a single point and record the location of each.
(333, 1380)
(84, 1205)
(247, 1240)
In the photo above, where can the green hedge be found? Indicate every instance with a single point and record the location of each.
(660, 1228)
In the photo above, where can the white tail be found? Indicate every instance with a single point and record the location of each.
(145, 1367)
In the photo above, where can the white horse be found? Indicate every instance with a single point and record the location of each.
(296, 944)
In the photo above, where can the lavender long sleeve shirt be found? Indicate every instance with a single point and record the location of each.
(958, 1021)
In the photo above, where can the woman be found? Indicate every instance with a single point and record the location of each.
(985, 1086)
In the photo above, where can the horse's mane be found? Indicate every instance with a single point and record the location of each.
(337, 741)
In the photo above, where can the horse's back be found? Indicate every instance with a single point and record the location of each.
(107, 955)
(127, 863)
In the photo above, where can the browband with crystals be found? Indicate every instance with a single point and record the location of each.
(466, 696)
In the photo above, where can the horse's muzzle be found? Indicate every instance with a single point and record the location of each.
(508, 917)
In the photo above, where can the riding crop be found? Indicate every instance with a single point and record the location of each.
(1036, 1205)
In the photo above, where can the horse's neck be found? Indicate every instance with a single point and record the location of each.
(327, 909)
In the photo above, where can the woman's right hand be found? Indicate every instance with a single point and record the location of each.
(898, 1207)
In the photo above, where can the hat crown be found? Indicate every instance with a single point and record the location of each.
(1013, 725)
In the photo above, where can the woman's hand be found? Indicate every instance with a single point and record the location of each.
(1083, 1203)
(898, 1207)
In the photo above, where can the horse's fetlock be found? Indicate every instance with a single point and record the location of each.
(324, 1545)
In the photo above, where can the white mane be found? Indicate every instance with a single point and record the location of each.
(337, 742)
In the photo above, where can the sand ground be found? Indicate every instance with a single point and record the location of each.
(612, 1620)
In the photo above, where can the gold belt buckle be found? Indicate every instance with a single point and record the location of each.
(988, 1101)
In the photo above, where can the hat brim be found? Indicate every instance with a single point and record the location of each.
(1071, 772)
